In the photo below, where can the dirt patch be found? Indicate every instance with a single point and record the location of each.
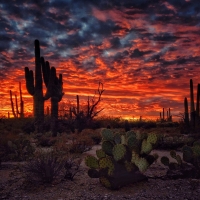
(13, 186)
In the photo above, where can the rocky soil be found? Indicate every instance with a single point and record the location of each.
(13, 185)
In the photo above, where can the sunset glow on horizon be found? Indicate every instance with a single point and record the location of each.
(144, 52)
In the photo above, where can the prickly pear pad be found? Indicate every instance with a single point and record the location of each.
(146, 147)
(119, 151)
(100, 153)
(107, 134)
(107, 163)
(152, 138)
(92, 162)
(142, 164)
(105, 182)
(107, 147)
(165, 160)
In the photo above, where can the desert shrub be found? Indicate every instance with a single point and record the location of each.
(80, 143)
(16, 147)
(61, 147)
(72, 167)
(44, 168)
(93, 134)
(45, 140)
(16, 125)
(167, 124)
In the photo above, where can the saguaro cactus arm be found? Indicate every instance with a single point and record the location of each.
(191, 96)
(29, 81)
(45, 71)
(53, 83)
(198, 100)
(12, 105)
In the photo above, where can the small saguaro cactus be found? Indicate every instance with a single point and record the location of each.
(122, 159)
(21, 112)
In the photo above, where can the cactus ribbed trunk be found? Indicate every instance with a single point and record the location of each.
(38, 95)
(197, 118)
(12, 105)
(54, 90)
(198, 100)
(16, 104)
(70, 113)
(192, 109)
(77, 100)
(54, 115)
(163, 114)
(21, 102)
(186, 113)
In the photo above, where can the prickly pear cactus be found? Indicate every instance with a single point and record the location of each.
(122, 159)
(188, 166)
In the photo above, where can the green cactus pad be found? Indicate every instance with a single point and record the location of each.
(142, 164)
(123, 139)
(107, 134)
(132, 142)
(117, 138)
(165, 160)
(173, 154)
(196, 143)
(119, 151)
(146, 147)
(130, 134)
(152, 138)
(92, 162)
(100, 153)
(107, 147)
(135, 157)
(107, 163)
(187, 154)
(196, 150)
(105, 182)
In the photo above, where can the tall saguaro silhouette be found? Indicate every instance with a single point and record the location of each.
(34, 86)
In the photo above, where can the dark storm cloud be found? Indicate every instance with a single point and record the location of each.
(166, 37)
(137, 53)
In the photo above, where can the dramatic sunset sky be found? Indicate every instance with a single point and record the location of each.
(144, 52)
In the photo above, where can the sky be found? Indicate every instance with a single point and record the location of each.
(144, 52)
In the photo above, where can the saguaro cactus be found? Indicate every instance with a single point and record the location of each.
(186, 113)
(34, 87)
(192, 108)
(21, 112)
(12, 105)
(54, 86)
(198, 100)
